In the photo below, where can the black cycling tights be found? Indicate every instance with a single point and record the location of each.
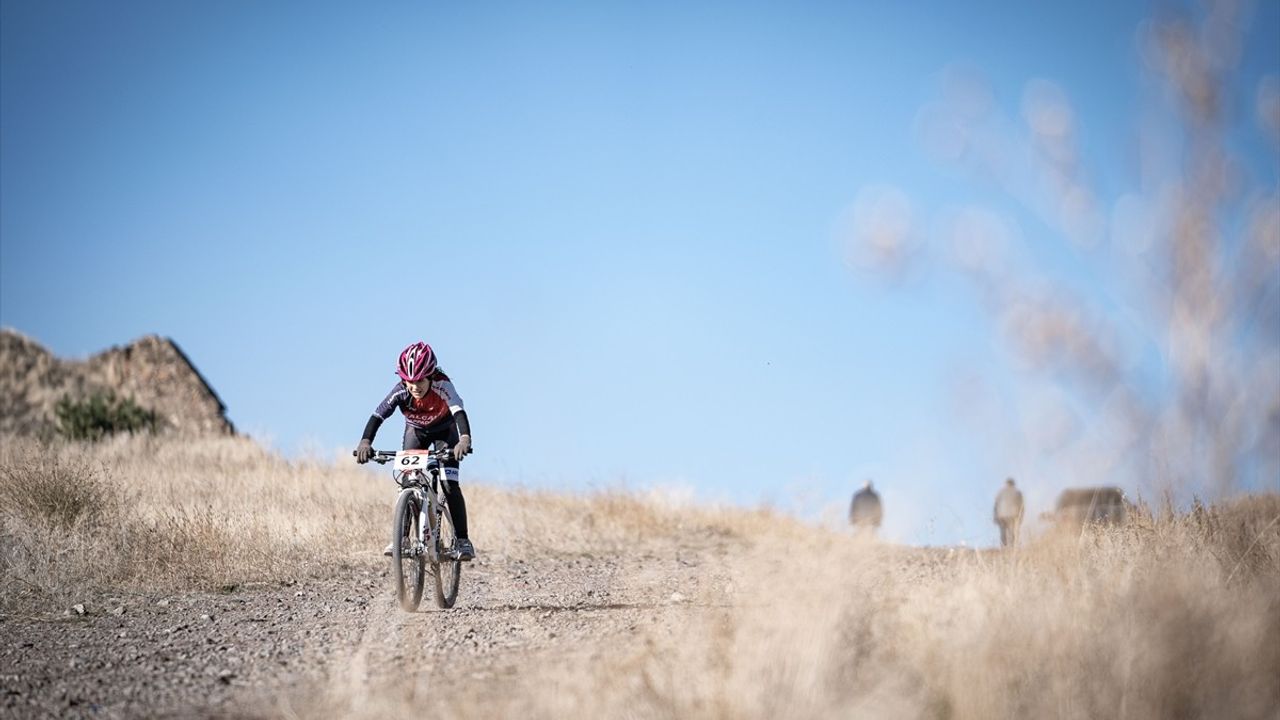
(416, 438)
(457, 507)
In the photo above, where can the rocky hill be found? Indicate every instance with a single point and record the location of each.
(152, 370)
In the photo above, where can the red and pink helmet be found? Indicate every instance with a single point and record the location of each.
(417, 362)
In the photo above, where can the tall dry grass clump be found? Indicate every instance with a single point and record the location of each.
(1166, 617)
(143, 514)
(58, 494)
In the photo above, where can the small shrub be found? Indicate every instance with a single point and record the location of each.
(59, 494)
(101, 414)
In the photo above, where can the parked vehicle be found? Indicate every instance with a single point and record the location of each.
(1103, 505)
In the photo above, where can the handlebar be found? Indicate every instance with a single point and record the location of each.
(382, 457)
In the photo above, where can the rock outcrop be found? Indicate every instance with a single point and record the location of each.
(151, 370)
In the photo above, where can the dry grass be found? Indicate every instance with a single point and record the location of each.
(1172, 616)
(148, 516)
(153, 516)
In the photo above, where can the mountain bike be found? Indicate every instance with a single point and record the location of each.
(422, 530)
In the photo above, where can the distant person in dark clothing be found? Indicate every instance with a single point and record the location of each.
(866, 512)
(1008, 513)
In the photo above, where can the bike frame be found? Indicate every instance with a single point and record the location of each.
(427, 486)
(431, 504)
(422, 490)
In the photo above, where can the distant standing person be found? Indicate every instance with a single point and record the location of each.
(1008, 513)
(866, 512)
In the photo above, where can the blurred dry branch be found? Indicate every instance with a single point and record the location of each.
(1177, 347)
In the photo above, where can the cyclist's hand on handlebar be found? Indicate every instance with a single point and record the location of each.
(364, 451)
(463, 447)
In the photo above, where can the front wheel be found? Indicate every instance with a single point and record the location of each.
(409, 571)
(448, 571)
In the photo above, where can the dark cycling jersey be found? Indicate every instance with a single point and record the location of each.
(441, 401)
(427, 420)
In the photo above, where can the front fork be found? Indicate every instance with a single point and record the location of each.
(433, 509)
(430, 509)
(425, 530)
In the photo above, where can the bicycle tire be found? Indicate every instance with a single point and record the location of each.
(410, 572)
(447, 572)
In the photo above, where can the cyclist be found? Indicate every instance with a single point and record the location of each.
(432, 411)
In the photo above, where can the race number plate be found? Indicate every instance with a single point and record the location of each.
(411, 460)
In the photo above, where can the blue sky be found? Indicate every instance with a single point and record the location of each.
(618, 224)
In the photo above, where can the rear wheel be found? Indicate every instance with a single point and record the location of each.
(448, 572)
(409, 571)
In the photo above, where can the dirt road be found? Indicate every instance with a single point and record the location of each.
(293, 650)
(757, 618)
